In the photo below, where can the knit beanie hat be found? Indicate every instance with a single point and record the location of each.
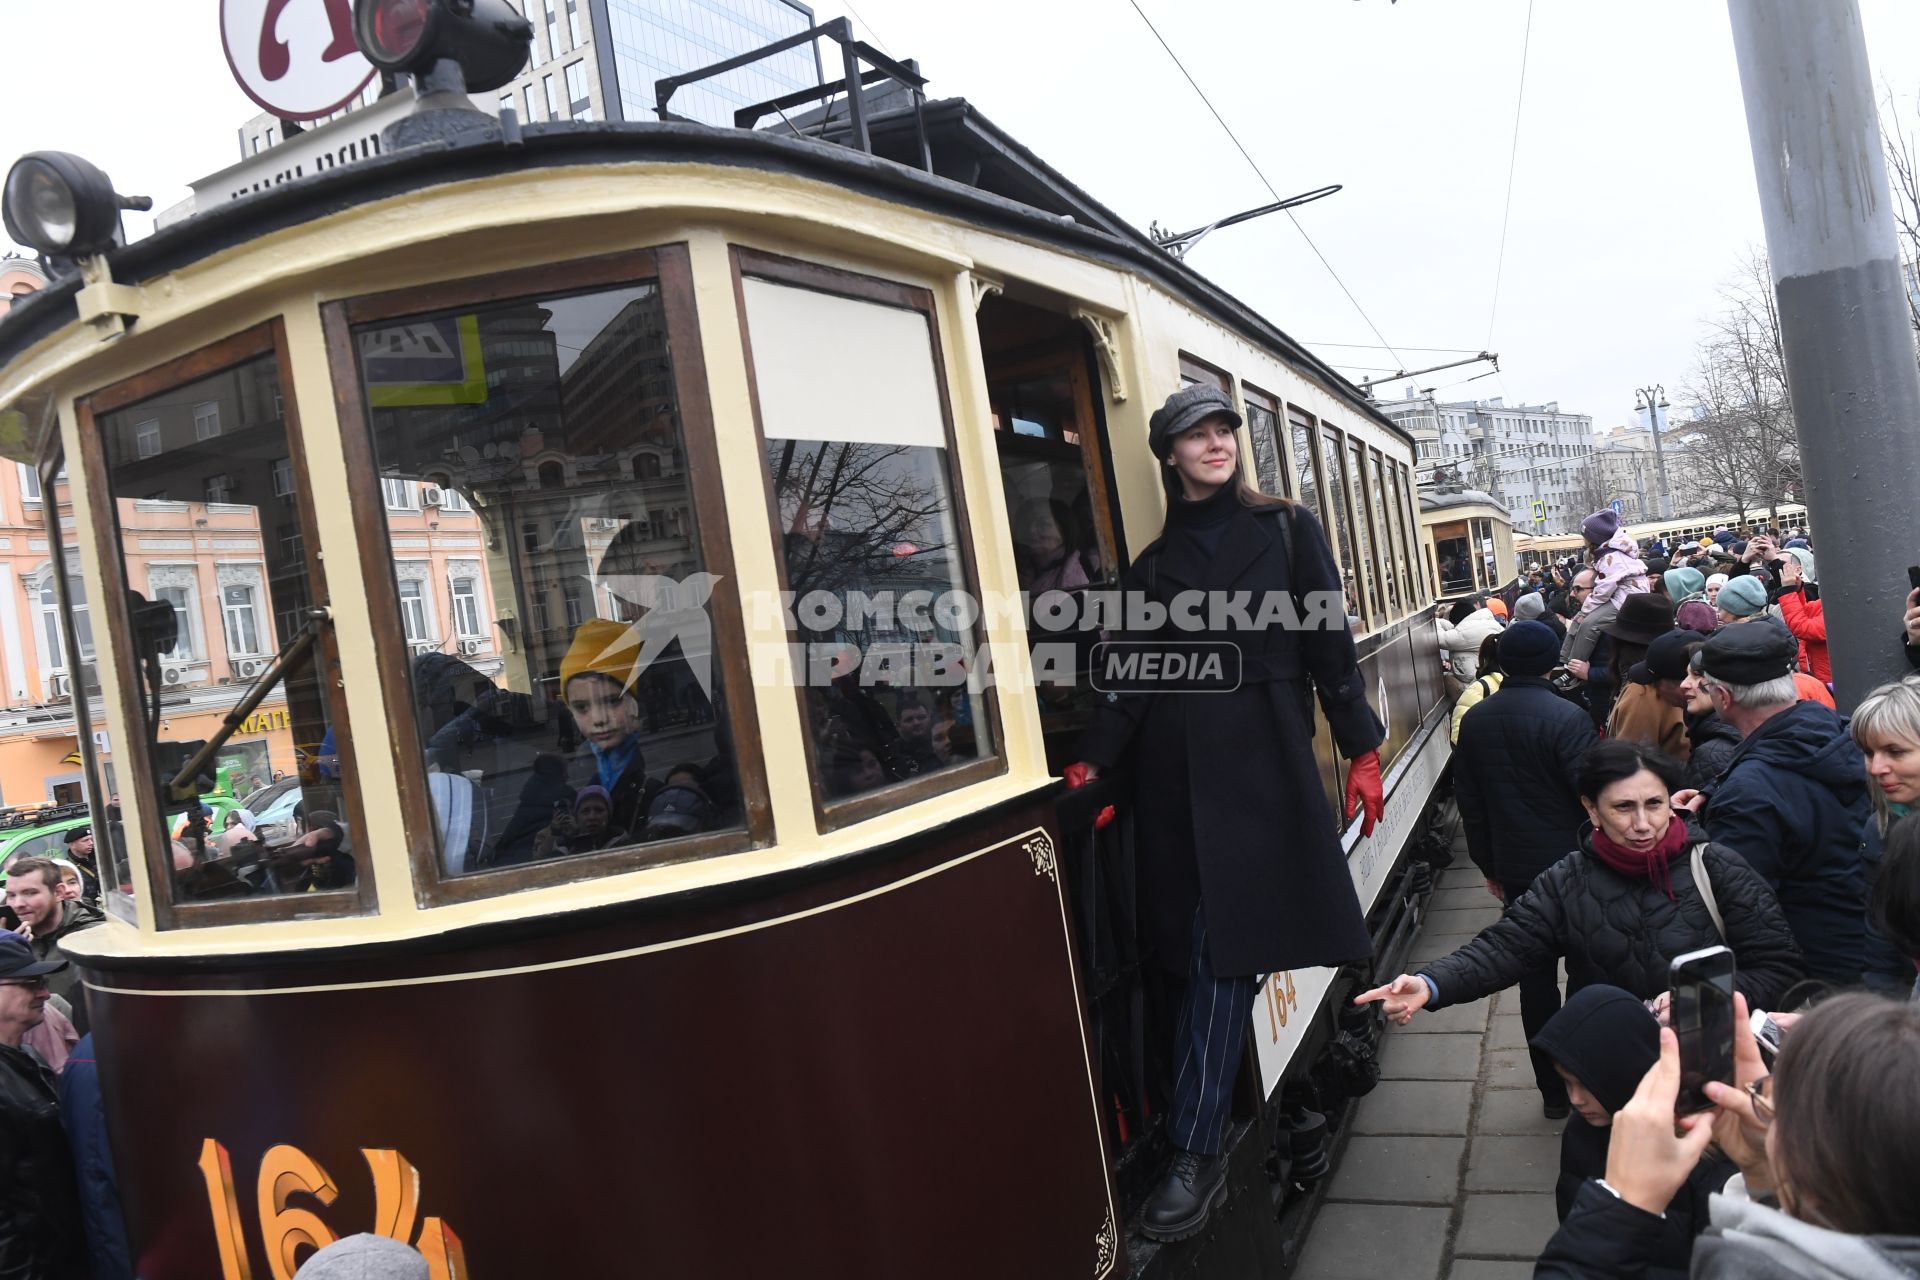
(1696, 615)
(1683, 584)
(1530, 605)
(1600, 527)
(1743, 597)
(605, 648)
(1527, 648)
(365, 1257)
(1716, 580)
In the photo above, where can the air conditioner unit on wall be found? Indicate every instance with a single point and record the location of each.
(173, 675)
(249, 668)
(62, 687)
(423, 647)
(433, 495)
(469, 647)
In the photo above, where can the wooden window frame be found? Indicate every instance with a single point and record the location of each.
(1072, 362)
(1357, 459)
(1380, 495)
(668, 267)
(1249, 395)
(1345, 491)
(267, 338)
(1426, 574)
(1192, 366)
(836, 814)
(1296, 418)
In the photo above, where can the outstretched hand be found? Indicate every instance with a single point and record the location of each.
(1647, 1160)
(1400, 999)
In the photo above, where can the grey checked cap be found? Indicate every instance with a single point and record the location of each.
(1183, 409)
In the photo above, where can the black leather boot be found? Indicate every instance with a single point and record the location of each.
(1178, 1208)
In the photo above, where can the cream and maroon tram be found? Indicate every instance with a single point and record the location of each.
(788, 956)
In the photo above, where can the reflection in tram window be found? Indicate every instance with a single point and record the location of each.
(188, 563)
(1305, 490)
(850, 406)
(548, 576)
(1337, 529)
(1263, 429)
(1454, 551)
(1369, 573)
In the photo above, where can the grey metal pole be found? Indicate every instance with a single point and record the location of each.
(1851, 367)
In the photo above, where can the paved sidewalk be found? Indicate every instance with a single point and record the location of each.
(1448, 1172)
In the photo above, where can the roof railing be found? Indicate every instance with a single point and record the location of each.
(853, 53)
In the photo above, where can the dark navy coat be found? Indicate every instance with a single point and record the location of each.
(1794, 804)
(1513, 772)
(1230, 808)
(86, 1122)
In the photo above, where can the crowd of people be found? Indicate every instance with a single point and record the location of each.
(1649, 761)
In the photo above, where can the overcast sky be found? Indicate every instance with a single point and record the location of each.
(1633, 194)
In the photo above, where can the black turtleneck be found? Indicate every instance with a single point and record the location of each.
(1205, 521)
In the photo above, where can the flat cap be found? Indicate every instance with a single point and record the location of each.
(1186, 408)
(1749, 653)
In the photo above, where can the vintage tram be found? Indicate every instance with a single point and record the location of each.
(1466, 537)
(802, 962)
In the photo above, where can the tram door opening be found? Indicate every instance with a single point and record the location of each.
(1041, 380)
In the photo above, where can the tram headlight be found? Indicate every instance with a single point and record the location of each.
(61, 205)
(487, 39)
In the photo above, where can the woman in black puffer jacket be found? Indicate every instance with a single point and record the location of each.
(1620, 907)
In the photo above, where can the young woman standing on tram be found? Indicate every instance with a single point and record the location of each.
(1241, 872)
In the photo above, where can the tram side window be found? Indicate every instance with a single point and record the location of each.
(1337, 528)
(1263, 429)
(1377, 490)
(851, 410)
(1304, 488)
(66, 640)
(1369, 567)
(562, 658)
(182, 552)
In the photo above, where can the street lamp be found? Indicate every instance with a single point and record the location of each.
(1653, 399)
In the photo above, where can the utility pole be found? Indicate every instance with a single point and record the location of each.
(1843, 315)
(1656, 398)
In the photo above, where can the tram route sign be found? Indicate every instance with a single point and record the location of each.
(295, 58)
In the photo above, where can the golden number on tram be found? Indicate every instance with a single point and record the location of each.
(1281, 997)
(287, 1171)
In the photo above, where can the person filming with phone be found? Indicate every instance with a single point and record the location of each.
(1828, 1145)
(1640, 890)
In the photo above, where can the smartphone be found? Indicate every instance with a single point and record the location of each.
(1766, 1034)
(1702, 1019)
(1913, 576)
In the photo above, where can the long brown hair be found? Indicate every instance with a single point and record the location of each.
(1846, 1093)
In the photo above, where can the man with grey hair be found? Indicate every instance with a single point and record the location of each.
(1793, 802)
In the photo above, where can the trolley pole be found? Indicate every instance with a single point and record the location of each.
(1849, 342)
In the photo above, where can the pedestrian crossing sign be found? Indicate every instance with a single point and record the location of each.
(1539, 511)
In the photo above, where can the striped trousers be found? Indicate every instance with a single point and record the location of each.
(1207, 1046)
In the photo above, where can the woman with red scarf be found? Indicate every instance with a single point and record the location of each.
(1619, 907)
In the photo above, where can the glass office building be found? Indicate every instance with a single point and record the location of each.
(657, 38)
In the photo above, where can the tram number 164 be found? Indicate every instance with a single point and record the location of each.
(1281, 1000)
(286, 1171)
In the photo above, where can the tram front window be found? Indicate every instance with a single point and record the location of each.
(548, 577)
(1455, 554)
(208, 522)
(856, 445)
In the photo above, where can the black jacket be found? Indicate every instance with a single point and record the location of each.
(1607, 1040)
(85, 1119)
(1714, 742)
(40, 1233)
(1605, 1238)
(1794, 805)
(1624, 932)
(1513, 776)
(1231, 808)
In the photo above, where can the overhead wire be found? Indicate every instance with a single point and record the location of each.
(1513, 157)
(1271, 189)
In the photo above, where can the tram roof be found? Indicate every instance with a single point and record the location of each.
(1447, 499)
(1000, 185)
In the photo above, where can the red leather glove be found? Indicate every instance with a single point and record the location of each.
(1364, 786)
(1079, 775)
